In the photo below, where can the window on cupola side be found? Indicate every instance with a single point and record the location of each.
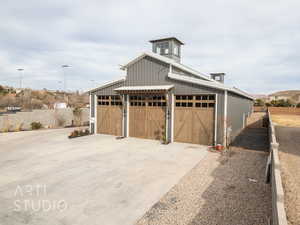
(162, 48)
(176, 50)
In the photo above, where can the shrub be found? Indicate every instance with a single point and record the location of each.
(36, 125)
(77, 112)
(259, 102)
(79, 133)
(19, 127)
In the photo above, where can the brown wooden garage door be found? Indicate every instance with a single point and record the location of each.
(147, 116)
(194, 119)
(109, 115)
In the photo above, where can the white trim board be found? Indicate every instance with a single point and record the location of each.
(127, 114)
(216, 120)
(172, 116)
(144, 88)
(225, 119)
(95, 113)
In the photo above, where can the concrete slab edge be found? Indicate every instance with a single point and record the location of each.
(278, 210)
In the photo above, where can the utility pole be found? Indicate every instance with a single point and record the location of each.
(65, 78)
(21, 76)
(65, 81)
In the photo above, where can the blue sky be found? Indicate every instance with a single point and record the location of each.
(256, 43)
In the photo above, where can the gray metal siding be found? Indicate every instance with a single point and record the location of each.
(109, 90)
(149, 71)
(220, 118)
(238, 110)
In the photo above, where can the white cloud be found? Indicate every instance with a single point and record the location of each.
(256, 43)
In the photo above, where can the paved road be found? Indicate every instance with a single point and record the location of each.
(101, 180)
(289, 154)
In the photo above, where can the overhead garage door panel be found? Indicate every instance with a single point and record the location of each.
(194, 119)
(147, 116)
(109, 115)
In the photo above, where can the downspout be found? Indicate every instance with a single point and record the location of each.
(225, 120)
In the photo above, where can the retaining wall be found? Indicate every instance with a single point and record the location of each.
(259, 109)
(50, 118)
(278, 210)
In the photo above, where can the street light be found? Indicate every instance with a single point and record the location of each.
(21, 76)
(65, 79)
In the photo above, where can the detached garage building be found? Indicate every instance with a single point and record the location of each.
(160, 98)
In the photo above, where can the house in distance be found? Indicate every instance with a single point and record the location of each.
(160, 98)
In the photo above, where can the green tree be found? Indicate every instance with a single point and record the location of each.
(259, 102)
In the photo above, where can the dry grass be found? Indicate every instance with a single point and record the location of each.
(287, 120)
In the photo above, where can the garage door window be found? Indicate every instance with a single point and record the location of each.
(109, 100)
(197, 101)
(148, 100)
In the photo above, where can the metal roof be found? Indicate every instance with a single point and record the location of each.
(216, 85)
(107, 84)
(165, 39)
(145, 88)
(171, 62)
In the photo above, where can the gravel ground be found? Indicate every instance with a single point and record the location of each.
(253, 139)
(289, 154)
(220, 190)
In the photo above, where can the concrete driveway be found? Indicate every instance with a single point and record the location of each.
(46, 178)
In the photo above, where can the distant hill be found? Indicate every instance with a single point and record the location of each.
(286, 93)
(260, 96)
(28, 99)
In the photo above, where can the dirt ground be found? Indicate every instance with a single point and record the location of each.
(289, 154)
(286, 120)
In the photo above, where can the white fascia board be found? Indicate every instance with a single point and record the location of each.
(107, 84)
(215, 85)
(141, 88)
